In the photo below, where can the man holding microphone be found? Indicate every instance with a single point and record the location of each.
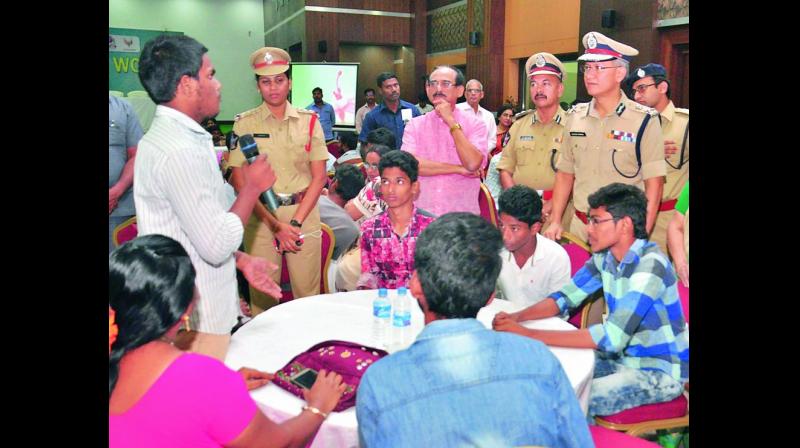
(179, 190)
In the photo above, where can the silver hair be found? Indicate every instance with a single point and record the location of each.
(626, 64)
(474, 80)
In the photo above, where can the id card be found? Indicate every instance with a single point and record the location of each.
(406, 114)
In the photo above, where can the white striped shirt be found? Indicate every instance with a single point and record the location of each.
(179, 192)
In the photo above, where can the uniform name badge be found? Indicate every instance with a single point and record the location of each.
(405, 114)
(526, 138)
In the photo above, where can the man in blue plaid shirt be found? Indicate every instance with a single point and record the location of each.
(643, 343)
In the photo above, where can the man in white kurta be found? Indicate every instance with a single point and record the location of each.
(474, 95)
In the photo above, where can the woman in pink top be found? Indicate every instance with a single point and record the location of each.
(162, 397)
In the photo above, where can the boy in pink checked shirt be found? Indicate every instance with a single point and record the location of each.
(450, 145)
(388, 239)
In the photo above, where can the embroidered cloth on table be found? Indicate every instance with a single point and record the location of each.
(348, 359)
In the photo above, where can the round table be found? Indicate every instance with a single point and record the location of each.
(274, 337)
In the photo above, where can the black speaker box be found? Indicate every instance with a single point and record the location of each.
(609, 18)
(475, 38)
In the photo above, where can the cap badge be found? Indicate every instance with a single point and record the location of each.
(540, 61)
(268, 58)
(591, 42)
(640, 73)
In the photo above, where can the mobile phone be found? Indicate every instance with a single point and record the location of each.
(304, 378)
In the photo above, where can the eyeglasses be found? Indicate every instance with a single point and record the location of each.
(642, 87)
(370, 166)
(474, 90)
(597, 68)
(445, 84)
(592, 221)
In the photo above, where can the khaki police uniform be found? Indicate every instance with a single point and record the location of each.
(284, 141)
(675, 127)
(532, 152)
(602, 150)
(533, 147)
(674, 123)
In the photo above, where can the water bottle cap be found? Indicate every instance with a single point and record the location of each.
(401, 290)
(383, 292)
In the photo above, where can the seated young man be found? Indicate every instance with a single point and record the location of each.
(389, 238)
(533, 266)
(642, 345)
(349, 145)
(459, 383)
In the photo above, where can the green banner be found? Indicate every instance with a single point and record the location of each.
(124, 47)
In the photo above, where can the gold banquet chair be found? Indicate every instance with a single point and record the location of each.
(328, 241)
(126, 231)
(487, 205)
(579, 253)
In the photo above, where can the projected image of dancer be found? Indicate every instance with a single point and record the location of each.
(342, 105)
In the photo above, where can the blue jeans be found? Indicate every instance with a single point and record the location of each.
(616, 387)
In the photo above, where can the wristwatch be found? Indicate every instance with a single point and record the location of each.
(294, 223)
(454, 127)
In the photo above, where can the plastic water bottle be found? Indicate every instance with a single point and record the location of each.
(401, 319)
(381, 316)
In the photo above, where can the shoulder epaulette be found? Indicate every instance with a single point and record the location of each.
(577, 108)
(305, 111)
(682, 111)
(645, 109)
(523, 113)
(238, 117)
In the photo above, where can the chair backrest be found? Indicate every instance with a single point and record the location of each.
(487, 205)
(327, 242)
(578, 252)
(138, 94)
(334, 148)
(593, 309)
(355, 161)
(124, 232)
(116, 93)
(683, 292)
(608, 438)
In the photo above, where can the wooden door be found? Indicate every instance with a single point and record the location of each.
(674, 43)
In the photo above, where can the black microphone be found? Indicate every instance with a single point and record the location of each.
(250, 150)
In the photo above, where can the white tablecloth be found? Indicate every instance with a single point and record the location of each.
(274, 337)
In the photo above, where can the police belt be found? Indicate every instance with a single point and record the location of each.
(668, 205)
(286, 199)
